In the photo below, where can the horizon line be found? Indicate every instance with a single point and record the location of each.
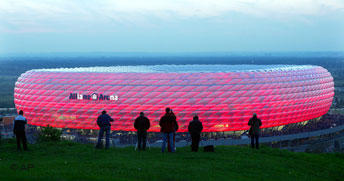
(162, 53)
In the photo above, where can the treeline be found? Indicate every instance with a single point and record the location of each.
(18, 65)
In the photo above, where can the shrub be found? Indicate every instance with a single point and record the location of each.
(50, 134)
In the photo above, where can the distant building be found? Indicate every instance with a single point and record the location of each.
(7, 120)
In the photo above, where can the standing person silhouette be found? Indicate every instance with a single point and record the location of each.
(173, 143)
(254, 131)
(195, 128)
(168, 124)
(104, 124)
(19, 130)
(141, 124)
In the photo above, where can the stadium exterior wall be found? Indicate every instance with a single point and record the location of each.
(223, 96)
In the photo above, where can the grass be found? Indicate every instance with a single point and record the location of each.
(73, 161)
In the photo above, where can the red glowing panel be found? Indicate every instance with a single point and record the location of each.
(223, 96)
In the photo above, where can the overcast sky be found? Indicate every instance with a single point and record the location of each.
(41, 26)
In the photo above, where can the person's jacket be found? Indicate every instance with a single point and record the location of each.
(195, 127)
(104, 120)
(141, 123)
(168, 123)
(19, 124)
(255, 124)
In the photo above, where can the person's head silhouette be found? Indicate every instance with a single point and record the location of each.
(168, 110)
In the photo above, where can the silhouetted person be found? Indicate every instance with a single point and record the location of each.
(19, 130)
(141, 125)
(168, 124)
(104, 124)
(254, 131)
(195, 128)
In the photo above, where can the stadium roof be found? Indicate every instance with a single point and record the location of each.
(181, 68)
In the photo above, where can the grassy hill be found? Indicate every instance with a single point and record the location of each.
(73, 161)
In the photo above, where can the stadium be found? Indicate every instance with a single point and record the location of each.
(223, 96)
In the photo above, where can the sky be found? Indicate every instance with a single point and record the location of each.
(46, 26)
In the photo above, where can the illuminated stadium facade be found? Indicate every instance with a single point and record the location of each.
(223, 96)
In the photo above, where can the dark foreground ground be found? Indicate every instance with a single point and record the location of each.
(73, 161)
